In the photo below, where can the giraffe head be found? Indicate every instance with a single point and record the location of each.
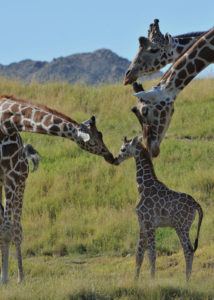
(90, 139)
(152, 54)
(130, 148)
(154, 112)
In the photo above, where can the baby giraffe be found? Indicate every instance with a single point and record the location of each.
(159, 207)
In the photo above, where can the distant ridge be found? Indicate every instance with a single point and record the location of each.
(100, 66)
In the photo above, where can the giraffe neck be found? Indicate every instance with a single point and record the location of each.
(20, 115)
(170, 54)
(189, 65)
(182, 43)
(145, 174)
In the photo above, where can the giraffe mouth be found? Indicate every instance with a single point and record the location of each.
(109, 158)
(129, 78)
(155, 151)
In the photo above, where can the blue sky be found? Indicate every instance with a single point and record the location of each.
(46, 29)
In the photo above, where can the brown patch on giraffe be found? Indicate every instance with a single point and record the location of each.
(179, 49)
(9, 149)
(156, 62)
(158, 107)
(17, 119)
(164, 212)
(178, 82)
(162, 103)
(207, 54)
(182, 74)
(15, 107)
(188, 80)
(155, 113)
(190, 68)
(163, 114)
(39, 115)
(140, 172)
(160, 129)
(162, 121)
(27, 112)
(192, 54)
(27, 123)
(47, 121)
(199, 65)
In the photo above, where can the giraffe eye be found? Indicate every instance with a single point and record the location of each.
(145, 111)
(154, 50)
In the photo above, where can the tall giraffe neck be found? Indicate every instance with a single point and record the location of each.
(178, 46)
(20, 115)
(145, 174)
(190, 64)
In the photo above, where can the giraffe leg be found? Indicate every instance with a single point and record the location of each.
(6, 233)
(5, 257)
(17, 228)
(141, 247)
(151, 251)
(187, 249)
(20, 265)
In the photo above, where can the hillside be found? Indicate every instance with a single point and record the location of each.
(79, 222)
(98, 67)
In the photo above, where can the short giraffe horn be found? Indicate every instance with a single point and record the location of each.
(93, 120)
(125, 139)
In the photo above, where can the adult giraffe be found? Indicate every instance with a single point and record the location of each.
(20, 115)
(155, 107)
(158, 50)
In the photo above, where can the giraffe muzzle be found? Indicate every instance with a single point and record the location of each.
(154, 151)
(109, 158)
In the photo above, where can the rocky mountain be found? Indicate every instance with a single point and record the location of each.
(101, 66)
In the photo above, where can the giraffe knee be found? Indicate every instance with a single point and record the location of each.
(6, 233)
(17, 234)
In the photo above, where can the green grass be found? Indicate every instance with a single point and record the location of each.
(78, 208)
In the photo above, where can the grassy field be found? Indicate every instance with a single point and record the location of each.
(79, 222)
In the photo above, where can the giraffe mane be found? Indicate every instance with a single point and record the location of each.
(43, 107)
(190, 34)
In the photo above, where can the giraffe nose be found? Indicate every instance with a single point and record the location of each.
(155, 150)
(134, 109)
(109, 158)
(129, 77)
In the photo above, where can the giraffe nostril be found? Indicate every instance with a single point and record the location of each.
(128, 72)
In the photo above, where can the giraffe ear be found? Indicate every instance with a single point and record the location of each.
(140, 95)
(93, 120)
(84, 136)
(168, 38)
(144, 42)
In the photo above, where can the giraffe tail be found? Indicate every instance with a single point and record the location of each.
(200, 214)
(32, 155)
